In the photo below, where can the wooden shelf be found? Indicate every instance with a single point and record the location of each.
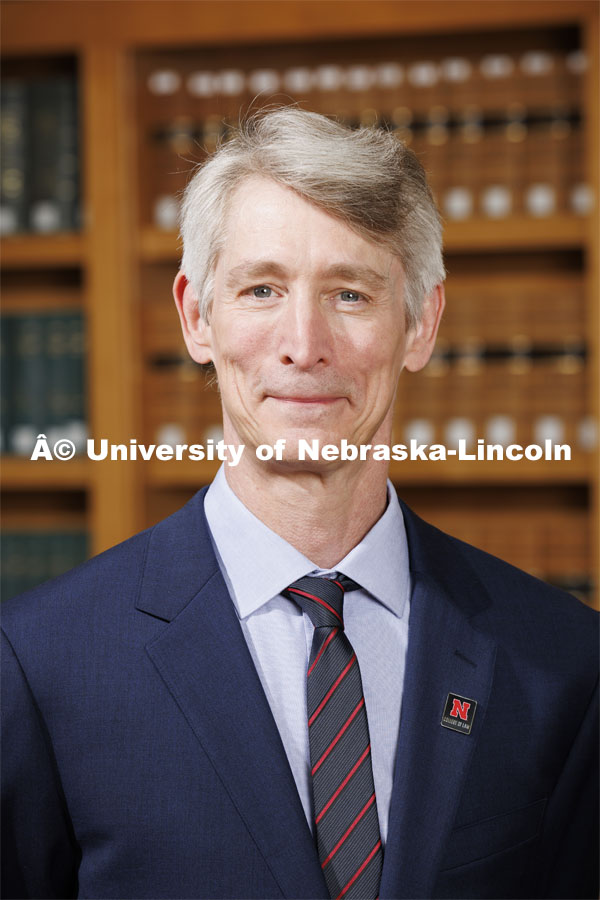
(52, 251)
(25, 474)
(179, 22)
(186, 474)
(159, 246)
(517, 233)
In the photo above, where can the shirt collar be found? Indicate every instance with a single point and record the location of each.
(258, 564)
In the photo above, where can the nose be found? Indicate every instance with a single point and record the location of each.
(305, 337)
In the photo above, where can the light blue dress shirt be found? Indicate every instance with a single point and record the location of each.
(257, 564)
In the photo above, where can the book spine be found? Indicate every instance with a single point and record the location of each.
(53, 156)
(13, 139)
(29, 380)
(76, 417)
(5, 366)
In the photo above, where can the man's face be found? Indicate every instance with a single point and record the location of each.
(307, 326)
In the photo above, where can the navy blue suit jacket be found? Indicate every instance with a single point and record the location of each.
(141, 758)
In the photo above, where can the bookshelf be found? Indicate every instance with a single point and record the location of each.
(118, 267)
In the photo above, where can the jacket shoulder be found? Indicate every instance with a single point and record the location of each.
(105, 578)
(526, 615)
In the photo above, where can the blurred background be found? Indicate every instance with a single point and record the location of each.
(107, 105)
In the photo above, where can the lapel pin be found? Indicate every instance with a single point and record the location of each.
(459, 713)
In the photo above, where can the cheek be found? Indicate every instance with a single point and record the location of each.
(238, 346)
(380, 361)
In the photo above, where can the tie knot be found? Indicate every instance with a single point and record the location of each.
(322, 599)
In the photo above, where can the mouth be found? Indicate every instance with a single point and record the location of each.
(304, 400)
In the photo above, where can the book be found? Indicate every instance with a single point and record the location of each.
(13, 144)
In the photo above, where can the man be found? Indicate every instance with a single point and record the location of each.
(294, 687)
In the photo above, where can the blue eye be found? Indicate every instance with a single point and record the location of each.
(350, 296)
(262, 292)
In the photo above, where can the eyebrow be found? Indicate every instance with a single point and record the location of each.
(252, 268)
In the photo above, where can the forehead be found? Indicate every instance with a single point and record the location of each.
(266, 219)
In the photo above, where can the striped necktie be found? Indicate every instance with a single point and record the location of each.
(346, 822)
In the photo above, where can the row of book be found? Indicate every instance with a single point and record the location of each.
(499, 401)
(518, 311)
(551, 543)
(545, 541)
(499, 130)
(477, 169)
(29, 558)
(542, 79)
(39, 155)
(43, 385)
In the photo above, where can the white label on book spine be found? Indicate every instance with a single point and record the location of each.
(298, 81)
(548, 428)
(419, 430)
(576, 62)
(496, 65)
(389, 75)
(359, 78)
(458, 203)
(171, 433)
(164, 82)
(166, 210)
(45, 217)
(587, 433)
(460, 429)
(540, 200)
(264, 81)
(423, 74)
(329, 78)
(456, 69)
(232, 82)
(536, 63)
(500, 430)
(496, 201)
(8, 220)
(202, 84)
(582, 199)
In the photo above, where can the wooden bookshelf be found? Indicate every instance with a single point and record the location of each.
(54, 251)
(41, 475)
(119, 250)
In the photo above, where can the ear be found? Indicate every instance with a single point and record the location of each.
(421, 339)
(196, 332)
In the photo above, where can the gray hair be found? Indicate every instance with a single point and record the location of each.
(367, 178)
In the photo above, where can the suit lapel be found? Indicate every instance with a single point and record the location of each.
(445, 655)
(204, 661)
(182, 584)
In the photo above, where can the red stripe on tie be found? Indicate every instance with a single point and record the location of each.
(343, 784)
(317, 600)
(356, 874)
(327, 696)
(369, 803)
(339, 734)
(331, 636)
(340, 585)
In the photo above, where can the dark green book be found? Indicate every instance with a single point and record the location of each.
(76, 356)
(57, 376)
(28, 383)
(53, 155)
(5, 347)
(13, 156)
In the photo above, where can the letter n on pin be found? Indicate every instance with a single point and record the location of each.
(459, 713)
